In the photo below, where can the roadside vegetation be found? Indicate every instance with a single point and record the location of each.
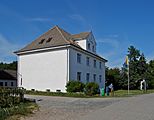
(117, 93)
(13, 105)
(139, 69)
(124, 93)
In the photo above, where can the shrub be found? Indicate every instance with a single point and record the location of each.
(91, 88)
(75, 86)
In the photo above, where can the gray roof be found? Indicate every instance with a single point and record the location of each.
(8, 75)
(82, 35)
(54, 37)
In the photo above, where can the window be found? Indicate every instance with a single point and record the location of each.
(87, 61)
(5, 83)
(1, 83)
(79, 76)
(78, 58)
(11, 83)
(94, 77)
(41, 42)
(100, 78)
(49, 39)
(100, 65)
(87, 77)
(88, 46)
(94, 63)
(93, 48)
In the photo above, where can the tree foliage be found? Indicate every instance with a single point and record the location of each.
(139, 69)
(113, 76)
(75, 86)
(91, 88)
(8, 66)
(150, 74)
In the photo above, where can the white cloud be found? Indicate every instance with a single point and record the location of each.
(114, 49)
(112, 44)
(81, 20)
(39, 19)
(112, 41)
(7, 48)
(77, 17)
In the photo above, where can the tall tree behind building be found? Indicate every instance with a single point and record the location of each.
(8, 66)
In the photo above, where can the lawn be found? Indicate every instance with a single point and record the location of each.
(124, 93)
(118, 93)
(17, 111)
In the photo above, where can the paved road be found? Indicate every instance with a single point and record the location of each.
(134, 108)
(65, 108)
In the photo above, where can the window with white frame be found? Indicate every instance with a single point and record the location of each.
(78, 58)
(11, 83)
(94, 77)
(93, 48)
(88, 61)
(89, 46)
(79, 76)
(5, 83)
(100, 65)
(87, 77)
(94, 63)
(100, 78)
(1, 83)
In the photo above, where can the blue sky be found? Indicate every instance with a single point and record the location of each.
(116, 24)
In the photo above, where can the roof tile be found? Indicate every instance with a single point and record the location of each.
(59, 37)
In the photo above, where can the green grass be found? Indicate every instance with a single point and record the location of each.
(118, 93)
(15, 112)
(124, 93)
(56, 94)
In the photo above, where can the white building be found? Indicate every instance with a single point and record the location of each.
(8, 78)
(57, 57)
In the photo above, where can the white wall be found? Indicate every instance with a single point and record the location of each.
(92, 42)
(83, 68)
(82, 43)
(44, 70)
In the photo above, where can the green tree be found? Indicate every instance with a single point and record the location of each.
(8, 66)
(150, 74)
(137, 68)
(133, 55)
(113, 76)
(142, 67)
(91, 88)
(123, 81)
(75, 86)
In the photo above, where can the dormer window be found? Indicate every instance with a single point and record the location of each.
(88, 46)
(49, 39)
(41, 42)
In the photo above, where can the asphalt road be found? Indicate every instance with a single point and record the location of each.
(134, 108)
(66, 108)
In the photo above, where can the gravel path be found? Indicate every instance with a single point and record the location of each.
(66, 108)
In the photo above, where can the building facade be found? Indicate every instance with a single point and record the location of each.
(8, 78)
(57, 57)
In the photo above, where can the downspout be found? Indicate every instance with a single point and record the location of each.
(67, 75)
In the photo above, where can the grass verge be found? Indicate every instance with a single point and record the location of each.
(15, 112)
(56, 94)
(118, 93)
(124, 93)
